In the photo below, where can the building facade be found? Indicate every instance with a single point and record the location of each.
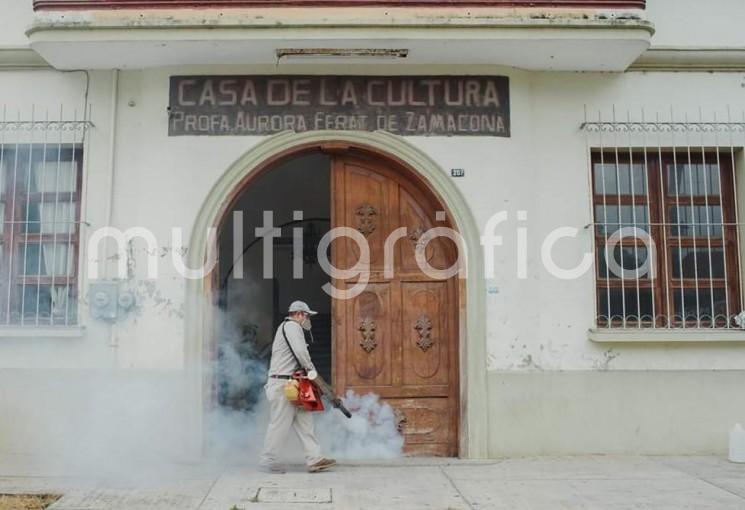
(144, 142)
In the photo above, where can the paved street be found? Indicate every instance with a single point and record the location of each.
(596, 482)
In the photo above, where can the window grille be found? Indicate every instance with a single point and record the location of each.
(666, 221)
(40, 189)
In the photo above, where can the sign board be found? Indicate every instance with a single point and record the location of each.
(403, 105)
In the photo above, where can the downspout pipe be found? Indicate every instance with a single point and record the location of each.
(114, 117)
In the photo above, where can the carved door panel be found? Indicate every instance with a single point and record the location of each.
(368, 338)
(425, 333)
(367, 202)
(418, 219)
(397, 338)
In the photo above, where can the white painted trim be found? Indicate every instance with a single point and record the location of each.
(611, 335)
(474, 401)
(690, 59)
(42, 331)
(21, 58)
(125, 39)
(285, 17)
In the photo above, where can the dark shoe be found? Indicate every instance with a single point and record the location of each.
(321, 465)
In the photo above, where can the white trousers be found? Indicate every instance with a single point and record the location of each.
(282, 416)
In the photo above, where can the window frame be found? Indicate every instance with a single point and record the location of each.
(13, 237)
(664, 284)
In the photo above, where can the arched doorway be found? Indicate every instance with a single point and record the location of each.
(384, 159)
(397, 338)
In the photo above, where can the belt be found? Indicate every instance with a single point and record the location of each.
(281, 376)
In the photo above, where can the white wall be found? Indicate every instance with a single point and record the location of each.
(15, 17)
(692, 23)
(161, 182)
(533, 326)
(614, 412)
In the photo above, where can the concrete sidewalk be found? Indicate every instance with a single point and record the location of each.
(596, 482)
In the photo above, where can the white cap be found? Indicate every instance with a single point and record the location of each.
(301, 306)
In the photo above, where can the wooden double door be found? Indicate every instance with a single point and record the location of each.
(398, 338)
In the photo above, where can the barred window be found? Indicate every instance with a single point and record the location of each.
(666, 239)
(40, 208)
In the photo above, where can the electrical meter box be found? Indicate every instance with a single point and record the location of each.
(108, 301)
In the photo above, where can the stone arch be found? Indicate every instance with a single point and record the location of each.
(472, 313)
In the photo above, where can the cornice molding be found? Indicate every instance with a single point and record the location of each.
(723, 59)
(215, 4)
(21, 58)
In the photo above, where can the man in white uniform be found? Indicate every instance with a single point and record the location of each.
(284, 415)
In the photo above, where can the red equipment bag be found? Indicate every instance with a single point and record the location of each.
(309, 395)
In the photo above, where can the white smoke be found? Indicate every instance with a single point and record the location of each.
(124, 426)
(371, 433)
(237, 436)
(133, 426)
(137, 426)
(235, 430)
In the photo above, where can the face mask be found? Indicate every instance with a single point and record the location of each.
(306, 324)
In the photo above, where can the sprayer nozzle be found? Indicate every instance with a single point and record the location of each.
(338, 404)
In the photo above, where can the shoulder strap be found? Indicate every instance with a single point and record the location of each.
(290, 345)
